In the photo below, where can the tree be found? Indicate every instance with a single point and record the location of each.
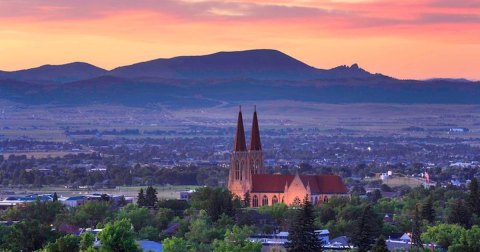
(139, 217)
(471, 239)
(141, 198)
(118, 236)
(151, 197)
(428, 212)
(44, 212)
(375, 196)
(178, 206)
(149, 233)
(474, 197)
(458, 213)
(216, 202)
(29, 235)
(68, 242)
(163, 217)
(278, 211)
(326, 214)
(365, 229)
(380, 245)
(55, 197)
(246, 199)
(301, 236)
(236, 241)
(416, 231)
(91, 213)
(201, 230)
(444, 234)
(87, 240)
(175, 244)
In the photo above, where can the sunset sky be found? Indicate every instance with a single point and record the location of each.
(405, 39)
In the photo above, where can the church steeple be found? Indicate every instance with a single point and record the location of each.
(255, 143)
(240, 144)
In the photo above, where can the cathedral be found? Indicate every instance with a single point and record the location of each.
(247, 174)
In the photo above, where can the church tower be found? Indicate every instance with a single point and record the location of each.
(255, 154)
(239, 179)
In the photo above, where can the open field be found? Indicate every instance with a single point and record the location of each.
(164, 192)
(50, 122)
(42, 154)
(399, 181)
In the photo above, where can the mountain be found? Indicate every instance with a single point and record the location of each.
(48, 74)
(257, 64)
(224, 77)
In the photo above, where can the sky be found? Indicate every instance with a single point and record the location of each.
(408, 39)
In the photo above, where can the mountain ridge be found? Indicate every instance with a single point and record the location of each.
(223, 77)
(62, 73)
(264, 64)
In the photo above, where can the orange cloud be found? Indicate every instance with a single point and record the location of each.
(405, 39)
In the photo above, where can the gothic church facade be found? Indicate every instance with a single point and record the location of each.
(247, 174)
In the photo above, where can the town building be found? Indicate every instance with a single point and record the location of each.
(247, 175)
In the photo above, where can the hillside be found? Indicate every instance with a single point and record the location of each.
(224, 77)
(48, 74)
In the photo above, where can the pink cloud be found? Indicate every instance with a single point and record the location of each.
(204, 26)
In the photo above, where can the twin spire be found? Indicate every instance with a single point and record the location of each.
(240, 143)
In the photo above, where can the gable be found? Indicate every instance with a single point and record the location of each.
(319, 184)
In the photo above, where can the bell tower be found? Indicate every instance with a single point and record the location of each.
(239, 179)
(255, 154)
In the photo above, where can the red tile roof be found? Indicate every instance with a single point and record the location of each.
(319, 184)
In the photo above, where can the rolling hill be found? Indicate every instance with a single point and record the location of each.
(230, 77)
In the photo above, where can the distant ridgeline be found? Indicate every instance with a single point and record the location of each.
(193, 81)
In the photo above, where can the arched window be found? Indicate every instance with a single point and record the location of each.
(237, 170)
(325, 199)
(252, 168)
(241, 170)
(316, 200)
(274, 200)
(265, 200)
(255, 201)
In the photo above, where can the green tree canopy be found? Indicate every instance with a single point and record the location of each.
(416, 230)
(68, 242)
(216, 202)
(474, 197)
(236, 241)
(141, 198)
(365, 229)
(138, 216)
(119, 237)
(175, 244)
(428, 211)
(458, 213)
(87, 240)
(29, 235)
(301, 236)
(444, 234)
(91, 213)
(380, 245)
(151, 197)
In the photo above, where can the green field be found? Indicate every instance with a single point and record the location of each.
(164, 192)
